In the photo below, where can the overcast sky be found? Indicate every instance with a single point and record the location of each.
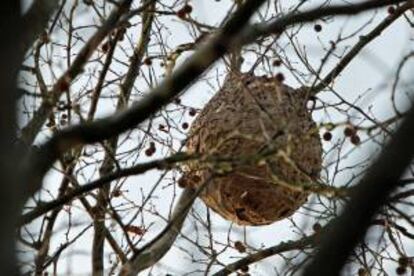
(367, 75)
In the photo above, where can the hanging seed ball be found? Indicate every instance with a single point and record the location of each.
(391, 9)
(349, 131)
(192, 112)
(317, 28)
(182, 183)
(181, 14)
(238, 121)
(187, 9)
(327, 136)
(404, 261)
(401, 270)
(280, 77)
(184, 11)
(105, 47)
(316, 227)
(240, 246)
(184, 125)
(277, 62)
(149, 151)
(148, 61)
(355, 139)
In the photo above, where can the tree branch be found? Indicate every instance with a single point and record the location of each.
(35, 21)
(10, 194)
(346, 231)
(42, 159)
(38, 161)
(99, 183)
(278, 25)
(29, 132)
(356, 49)
(268, 252)
(108, 161)
(160, 245)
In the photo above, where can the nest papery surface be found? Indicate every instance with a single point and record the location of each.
(250, 116)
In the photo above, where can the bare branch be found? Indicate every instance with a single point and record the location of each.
(369, 195)
(29, 132)
(108, 161)
(354, 51)
(172, 86)
(104, 180)
(91, 162)
(39, 161)
(160, 245)
(268, 252)
(278, 25)
(35, 21)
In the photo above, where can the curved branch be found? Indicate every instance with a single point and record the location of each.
(221, 163)
(39, 161)
(268, 252)
(99, 183)
(279, 25)
(29, 132)
(35, 21)
(372, 192)
(356, 49)
(108, 162)
(160, 245)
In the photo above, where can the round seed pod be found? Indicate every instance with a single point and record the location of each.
(250, 115)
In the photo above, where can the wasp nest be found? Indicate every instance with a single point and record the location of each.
(266, 129)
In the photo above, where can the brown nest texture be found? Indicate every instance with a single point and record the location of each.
(264, 128)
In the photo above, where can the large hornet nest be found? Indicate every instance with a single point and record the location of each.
(265, 127)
